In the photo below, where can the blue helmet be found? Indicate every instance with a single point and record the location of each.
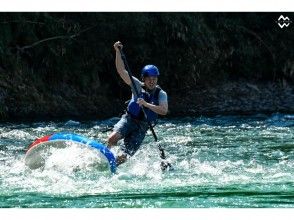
(150, 70)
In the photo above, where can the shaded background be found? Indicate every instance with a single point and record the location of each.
(61, 65)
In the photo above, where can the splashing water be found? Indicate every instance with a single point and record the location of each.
(223, 161)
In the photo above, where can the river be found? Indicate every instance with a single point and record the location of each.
(221, 161)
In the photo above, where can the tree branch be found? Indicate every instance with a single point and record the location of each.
(21, 21)
(55, 38)
(264, 44)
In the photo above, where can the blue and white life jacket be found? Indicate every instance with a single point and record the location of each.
(136, 111)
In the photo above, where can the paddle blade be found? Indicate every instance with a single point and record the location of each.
(165, 166)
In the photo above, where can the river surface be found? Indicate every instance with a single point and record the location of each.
(222, 161)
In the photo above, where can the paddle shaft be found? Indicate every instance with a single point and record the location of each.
(162, 153)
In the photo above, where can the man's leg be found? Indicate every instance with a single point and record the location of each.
(133, 134)
(133, 141)
(113, 138)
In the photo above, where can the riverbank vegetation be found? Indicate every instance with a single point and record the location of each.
(61, 65)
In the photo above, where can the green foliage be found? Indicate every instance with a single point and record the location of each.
(187, 46)
(58, 53)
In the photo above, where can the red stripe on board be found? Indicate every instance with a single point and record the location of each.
(40, 140)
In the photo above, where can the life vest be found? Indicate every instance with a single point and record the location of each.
(136, 111)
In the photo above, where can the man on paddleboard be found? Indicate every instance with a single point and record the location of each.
(133, 125)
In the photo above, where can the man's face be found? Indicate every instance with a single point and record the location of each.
(150, 82)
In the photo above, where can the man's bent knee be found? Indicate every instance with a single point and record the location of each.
(113, 138)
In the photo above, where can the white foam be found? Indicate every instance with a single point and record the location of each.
(76, 157)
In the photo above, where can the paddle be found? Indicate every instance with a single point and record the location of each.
(164, 164)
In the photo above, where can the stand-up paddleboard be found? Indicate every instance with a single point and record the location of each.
(34, 157)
